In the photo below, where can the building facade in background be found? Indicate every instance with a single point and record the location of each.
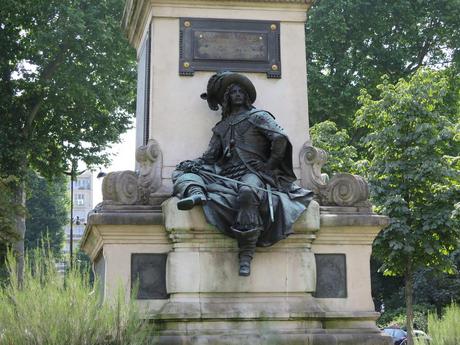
(82, 204)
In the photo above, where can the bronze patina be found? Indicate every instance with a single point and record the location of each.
(244, 180)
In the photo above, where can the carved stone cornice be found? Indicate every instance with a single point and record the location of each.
(137, 13)
(98, 236)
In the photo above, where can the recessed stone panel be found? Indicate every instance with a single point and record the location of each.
(331, 276)
(149, 271)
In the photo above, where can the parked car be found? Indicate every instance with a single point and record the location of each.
(399, 336)
(421, 335)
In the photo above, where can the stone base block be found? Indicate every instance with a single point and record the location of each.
(258, 319)
(276, 338)
(238, 307)
(309, 328)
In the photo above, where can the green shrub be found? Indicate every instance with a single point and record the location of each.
(397, 317)
(53, 309)
(445, 330)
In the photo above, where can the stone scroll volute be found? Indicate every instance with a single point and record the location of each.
(150, 160)
(136, 188)
(312, 160)
(343, 189)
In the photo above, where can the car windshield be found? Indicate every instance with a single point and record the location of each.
(395, 333)
(399, 333)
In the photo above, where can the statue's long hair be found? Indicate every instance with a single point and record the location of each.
(227, 103)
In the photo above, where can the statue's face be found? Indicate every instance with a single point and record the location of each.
(237, 95)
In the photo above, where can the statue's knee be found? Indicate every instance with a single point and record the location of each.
(184, 181)
(246, 197)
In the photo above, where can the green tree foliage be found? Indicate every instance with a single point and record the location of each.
(47, 212)
(352, 43)
(413, 143)
(438, 289)
(341, 156)
(67, 82)
(386, 290)
(67, 87)
(8, 211)
(396, 317)
(433, 290)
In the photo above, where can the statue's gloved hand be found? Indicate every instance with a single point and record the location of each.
(189, 166)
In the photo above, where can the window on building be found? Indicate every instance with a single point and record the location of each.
(83, 183)
(80, 199)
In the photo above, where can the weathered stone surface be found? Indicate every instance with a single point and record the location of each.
(310, 219)
(257, 321)
(121, 187)
(350, 220)
(312, 160)
(194, 219)
(99, 271)
(126, 218)
(276, 338)
(150, 161)
(206, 261)
(243, 308)
(288, 271)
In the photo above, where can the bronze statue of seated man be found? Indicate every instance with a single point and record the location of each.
(244, 180)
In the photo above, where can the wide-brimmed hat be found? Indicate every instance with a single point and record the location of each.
(218, 84)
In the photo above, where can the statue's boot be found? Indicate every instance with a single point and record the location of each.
(195, 195)
(247, 241)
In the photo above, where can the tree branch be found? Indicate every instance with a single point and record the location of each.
(424, 48)
(421, 55)
(48, 73)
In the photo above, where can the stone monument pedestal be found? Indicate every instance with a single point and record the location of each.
(311, 288)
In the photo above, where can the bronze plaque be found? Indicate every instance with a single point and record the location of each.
(234, 45)
(331, 276)
(148, 272)
(230, 46)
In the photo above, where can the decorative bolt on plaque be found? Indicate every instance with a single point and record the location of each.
(187, 24)
(273, 27)
(186, 65)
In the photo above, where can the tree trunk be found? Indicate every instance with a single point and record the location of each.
(408, 292)
(18, 246)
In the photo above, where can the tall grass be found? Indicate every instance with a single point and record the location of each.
(444, 330)
(51, 309)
